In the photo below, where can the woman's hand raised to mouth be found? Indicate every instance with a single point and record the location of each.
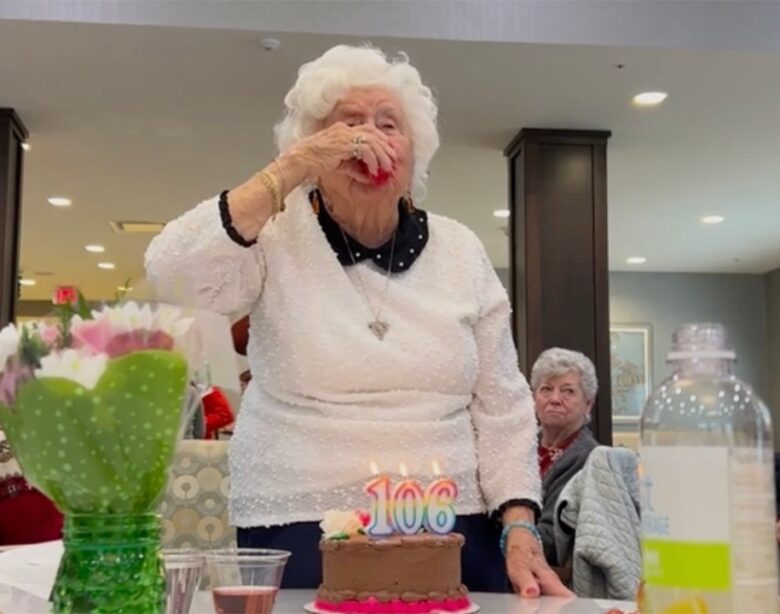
(363, 152)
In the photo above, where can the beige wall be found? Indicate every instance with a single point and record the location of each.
(666, 300)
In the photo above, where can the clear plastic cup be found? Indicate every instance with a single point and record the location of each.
(183, 573)
(245, 580)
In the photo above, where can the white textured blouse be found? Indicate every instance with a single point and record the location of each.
(327, 397)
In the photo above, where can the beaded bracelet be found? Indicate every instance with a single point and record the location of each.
(518, 524)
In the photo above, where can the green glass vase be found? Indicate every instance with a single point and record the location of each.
(112, 563)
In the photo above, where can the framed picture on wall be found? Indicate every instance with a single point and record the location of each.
(631, 360)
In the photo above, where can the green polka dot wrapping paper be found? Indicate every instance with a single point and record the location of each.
(93, 409)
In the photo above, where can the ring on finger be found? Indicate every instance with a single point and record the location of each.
(356, 152)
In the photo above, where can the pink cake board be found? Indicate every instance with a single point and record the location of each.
(472, 609)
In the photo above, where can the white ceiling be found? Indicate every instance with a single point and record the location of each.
(142, 122)
(746, 25)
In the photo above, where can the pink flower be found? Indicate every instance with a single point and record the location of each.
(50, 334)
(108, 334)
(93, 336)
(125, 343)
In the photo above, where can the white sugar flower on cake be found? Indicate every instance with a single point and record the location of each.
(338, 524)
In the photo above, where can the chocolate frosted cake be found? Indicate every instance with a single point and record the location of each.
(404, 573)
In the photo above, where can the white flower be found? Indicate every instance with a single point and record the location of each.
(126, 317)
(9, 344)
(337, 523)
(169, 319)
(129, 317)
(74, 365)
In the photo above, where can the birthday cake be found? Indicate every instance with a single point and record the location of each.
(415, 574)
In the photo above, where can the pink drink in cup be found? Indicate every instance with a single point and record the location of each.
(244, 599)
(245, 580)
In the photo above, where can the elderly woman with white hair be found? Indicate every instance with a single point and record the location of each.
(378, 331)
(564, 386)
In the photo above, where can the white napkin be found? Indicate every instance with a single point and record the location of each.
(31, 569)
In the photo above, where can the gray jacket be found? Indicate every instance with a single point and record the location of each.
(569, 463)
(597, 525)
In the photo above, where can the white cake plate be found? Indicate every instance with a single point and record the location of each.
(472, 609)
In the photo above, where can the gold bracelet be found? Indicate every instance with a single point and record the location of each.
(270, 183)
(279, 172)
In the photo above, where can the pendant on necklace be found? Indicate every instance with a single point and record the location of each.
(379, 328)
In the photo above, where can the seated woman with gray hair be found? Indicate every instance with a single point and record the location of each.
(564, 386)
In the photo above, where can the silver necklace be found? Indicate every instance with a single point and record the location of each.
(378, 326)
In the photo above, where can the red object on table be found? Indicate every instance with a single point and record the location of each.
(26, 515)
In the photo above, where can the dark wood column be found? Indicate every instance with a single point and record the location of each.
(558, 242)
(12, 135)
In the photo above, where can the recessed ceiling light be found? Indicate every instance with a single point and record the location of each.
(95, 249)
(106, 265)
(649, 99)
(59, 201)
(501, 213)
(636, 260)
(712, 219)
(27, 282)
(26, 146)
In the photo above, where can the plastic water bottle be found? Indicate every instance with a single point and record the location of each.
(707, 485)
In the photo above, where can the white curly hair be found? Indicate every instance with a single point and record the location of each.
(557, 362)
(323, 81)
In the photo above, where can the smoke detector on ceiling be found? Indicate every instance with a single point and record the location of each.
(270, 44)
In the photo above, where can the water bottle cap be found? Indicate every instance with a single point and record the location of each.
(691, 341)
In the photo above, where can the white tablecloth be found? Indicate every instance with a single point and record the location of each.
(27, 575)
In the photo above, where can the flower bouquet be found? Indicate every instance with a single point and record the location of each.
(93, 408)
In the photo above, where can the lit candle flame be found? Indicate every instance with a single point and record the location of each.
(374, 468)
(436, 468)
(403, 470)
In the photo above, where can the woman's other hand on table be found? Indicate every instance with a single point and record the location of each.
(527, 568)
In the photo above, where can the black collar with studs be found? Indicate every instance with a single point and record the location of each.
(411, 238)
